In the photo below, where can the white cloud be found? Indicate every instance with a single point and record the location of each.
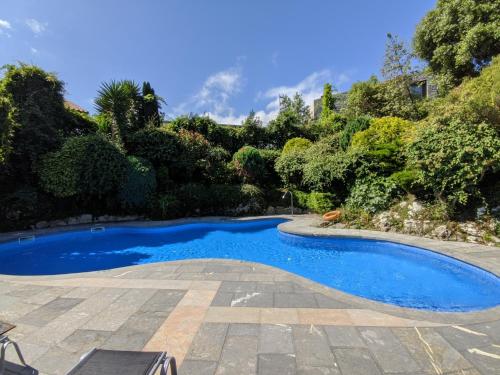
(36, 26)
(213, 99)
(4, 26)
(33, 50)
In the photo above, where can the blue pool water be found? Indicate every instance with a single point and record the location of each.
(378, 270)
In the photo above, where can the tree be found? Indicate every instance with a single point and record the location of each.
(399, 74)
(252, 132)
(327, 103)
(36, 103)
(295, 105)
(151, 105)
(459, 37)
(120, 104)
(366, 99)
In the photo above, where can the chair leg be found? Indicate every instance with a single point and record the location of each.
(5, 344)
(169, 362)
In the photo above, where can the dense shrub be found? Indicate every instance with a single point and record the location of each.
(300, 198)
(139, 185)
(223, 136)
(191, 158)
(6, 128)
(406, 180)
(217, 170)
(166, 206)
(248, 163)
(290, 168)
(315, 202)
(453, 158)
(252, 199)
(158, 145)
(328, 173)
(383, 142)
(37, 106)
(269, 157)
(320, 202)
(296, 145)
(353, 126)
(84, 166)
(22, 206)
(372, 194)
(475, 101)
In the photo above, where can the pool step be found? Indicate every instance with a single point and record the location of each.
(25, 237)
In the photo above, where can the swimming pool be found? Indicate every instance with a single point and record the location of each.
(378, 270)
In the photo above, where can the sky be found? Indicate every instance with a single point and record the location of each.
(222, 58)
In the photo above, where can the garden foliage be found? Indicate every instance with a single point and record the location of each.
(382, 144)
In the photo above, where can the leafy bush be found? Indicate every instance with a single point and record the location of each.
(248, 163)
(296, 145)
(37, 102)
(316, 202)
(217, 170)
(158, 145)
(353, 126)
(383, 131)
(300, 198)
(253, 198)
(406, 179)
(321, 202)
(6, 128)
(475, 101)
(87, 165)
(191, 159)
(22, 207)
(453, 159)
(381, 145)
(290, 169)
(139, 185)
(166, 206)
(270, 157)
(372, 194)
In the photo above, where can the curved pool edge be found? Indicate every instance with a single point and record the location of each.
(88, 279)
(484, 257)
(307, 225)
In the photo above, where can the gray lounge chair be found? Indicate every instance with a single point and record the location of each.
(114, 362)
(5, 342)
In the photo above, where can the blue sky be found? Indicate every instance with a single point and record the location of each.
(220, 57)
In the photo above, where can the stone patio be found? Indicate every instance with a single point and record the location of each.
(230, 317)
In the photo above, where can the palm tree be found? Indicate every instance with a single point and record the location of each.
(119, 101)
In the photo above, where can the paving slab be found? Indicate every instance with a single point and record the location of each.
(388, 351)
(48, 312)
(356, 361)
(239, 356)
(430, 350)
(272, 364)
(344, 337)
(276, 338)
(208, 342)
(195, 367)
(312, 346)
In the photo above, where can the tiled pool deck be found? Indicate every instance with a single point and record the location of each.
(231, 317)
